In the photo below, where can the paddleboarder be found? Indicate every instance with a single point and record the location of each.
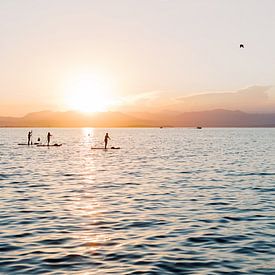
(29, 137)
(106, 140)
(49, 138)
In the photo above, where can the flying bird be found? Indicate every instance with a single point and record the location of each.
(241, 45)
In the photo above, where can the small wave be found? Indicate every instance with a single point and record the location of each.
(246, 174)
(8, 247)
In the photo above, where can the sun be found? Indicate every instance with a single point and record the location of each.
(88, 92)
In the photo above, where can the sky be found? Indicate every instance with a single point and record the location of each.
(126, 51)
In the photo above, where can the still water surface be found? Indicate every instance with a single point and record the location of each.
(171, 201)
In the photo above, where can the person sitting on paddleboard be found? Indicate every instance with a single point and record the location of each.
(49, 138)
(106, 140)
(38, 141)
(29, 137)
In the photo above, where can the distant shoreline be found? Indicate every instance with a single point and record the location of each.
(152, 127)
(217, 118)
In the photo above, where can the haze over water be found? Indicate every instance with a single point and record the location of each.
(171, 201)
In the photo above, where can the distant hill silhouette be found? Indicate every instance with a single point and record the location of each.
(225, 118)
(214, 118)
(73, 119)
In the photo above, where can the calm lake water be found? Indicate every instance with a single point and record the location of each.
(171, 201)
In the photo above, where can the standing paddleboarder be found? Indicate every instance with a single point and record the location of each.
(29, 137)
(106, 140)
(49, 138)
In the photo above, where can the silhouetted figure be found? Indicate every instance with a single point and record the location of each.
(38, 141)
(29, 137)
(48, 138)
(241, 45)
(106, 140)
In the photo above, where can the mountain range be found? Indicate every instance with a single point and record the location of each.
(212, 118)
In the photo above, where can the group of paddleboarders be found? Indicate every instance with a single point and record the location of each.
(49, 135)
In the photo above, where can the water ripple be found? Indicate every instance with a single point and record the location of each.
(179, 201)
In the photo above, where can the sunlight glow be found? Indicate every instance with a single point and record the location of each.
(88, 92)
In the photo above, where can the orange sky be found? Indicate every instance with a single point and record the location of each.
(123, 54)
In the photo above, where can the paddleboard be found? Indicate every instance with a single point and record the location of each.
(102, 148)
(28, 144)
(24, 144)
(51, 145)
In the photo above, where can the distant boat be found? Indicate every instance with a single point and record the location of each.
(199, 127)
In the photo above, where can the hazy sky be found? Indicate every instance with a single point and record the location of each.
(179, 47)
